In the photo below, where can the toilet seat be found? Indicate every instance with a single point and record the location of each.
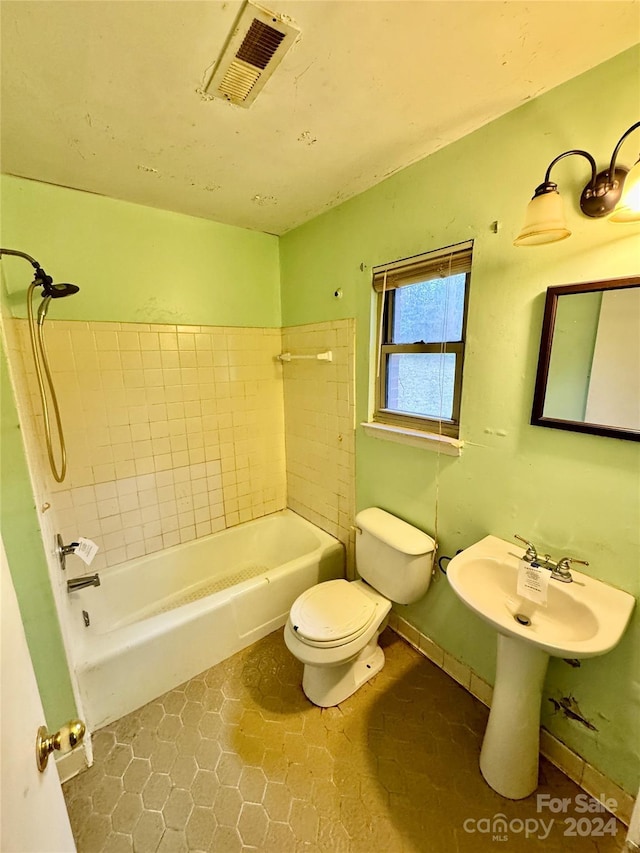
(332, 614)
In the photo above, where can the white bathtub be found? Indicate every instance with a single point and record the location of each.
(159, 620)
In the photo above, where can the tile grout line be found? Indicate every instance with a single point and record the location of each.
(554, 750)
(238, 759)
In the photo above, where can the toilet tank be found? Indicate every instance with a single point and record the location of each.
(392, 556)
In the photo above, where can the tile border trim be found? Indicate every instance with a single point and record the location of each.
(572, 765)
(72, 763)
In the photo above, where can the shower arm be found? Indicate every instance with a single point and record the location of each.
(41, 279)
(24, 255)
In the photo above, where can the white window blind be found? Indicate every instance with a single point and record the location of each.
(452, 260)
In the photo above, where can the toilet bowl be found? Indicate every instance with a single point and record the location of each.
(333, 628)
(337, 645)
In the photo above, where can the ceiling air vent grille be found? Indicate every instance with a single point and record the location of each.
(257, 45)
(238, 81)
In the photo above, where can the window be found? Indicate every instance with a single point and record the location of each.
(423, 305)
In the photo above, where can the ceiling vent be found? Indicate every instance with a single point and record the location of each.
(256, 47)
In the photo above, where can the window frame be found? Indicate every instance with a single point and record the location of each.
(434, 264)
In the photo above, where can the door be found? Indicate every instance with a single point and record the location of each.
(33, 816)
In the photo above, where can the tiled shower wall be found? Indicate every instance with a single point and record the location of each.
(319, 425)
(175, 432)
(172, 432)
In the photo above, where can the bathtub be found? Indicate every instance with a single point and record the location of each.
(157, 621)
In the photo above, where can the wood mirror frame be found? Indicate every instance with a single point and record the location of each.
(538, 417)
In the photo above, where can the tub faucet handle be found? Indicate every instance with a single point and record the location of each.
(63, 550)
(530, 554)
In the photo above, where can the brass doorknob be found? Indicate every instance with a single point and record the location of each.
(69, 736)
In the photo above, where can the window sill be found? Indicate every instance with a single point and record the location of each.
(413, 437)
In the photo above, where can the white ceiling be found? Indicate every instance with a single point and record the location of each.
(106, 96)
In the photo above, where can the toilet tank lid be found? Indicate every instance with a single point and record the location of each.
(394, 532)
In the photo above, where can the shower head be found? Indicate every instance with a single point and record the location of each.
(41, 279)
(51, 291)
(55, 291)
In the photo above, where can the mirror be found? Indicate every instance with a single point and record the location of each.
(588, 376)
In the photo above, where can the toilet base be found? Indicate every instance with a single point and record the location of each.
(327, 686)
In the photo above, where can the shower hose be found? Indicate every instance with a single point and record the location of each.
(36, 334)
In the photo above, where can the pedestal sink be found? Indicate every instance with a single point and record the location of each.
(582, 619)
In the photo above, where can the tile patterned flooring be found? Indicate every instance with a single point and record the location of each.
(238, 760)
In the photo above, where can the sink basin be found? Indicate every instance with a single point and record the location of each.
(582, 619)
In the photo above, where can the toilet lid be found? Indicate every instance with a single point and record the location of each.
(332, 611)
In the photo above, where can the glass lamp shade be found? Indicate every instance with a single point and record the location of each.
(628, 208)
(544, 221)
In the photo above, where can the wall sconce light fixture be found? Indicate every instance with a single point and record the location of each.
(603, 196)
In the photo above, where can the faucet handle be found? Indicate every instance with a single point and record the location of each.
(63, 551)
(531, 554)
(562, 572)
(564, 563)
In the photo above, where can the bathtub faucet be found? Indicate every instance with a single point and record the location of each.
(82, 582)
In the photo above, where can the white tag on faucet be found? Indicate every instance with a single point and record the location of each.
(533, 582)
(86, 550)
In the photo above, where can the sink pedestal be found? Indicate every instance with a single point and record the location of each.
(509, 756)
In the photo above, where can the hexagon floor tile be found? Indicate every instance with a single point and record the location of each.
(237, 759)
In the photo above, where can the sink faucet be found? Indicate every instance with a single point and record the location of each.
(82, 582)
(560, 571)
(530, 555)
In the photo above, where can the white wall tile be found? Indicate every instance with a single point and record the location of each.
(150, 416)
(316, 395)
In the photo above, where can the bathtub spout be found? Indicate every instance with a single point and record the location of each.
(80, 583)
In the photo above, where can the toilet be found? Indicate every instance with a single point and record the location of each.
(333, 627)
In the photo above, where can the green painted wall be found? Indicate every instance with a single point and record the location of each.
(570, 493)
(23, 544)
(133, 264)
(137, 264)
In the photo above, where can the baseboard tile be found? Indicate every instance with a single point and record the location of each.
(71, 763)
(596, 783)
(572, 765)
(459, 671)
(429, 649)
(481, 689)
